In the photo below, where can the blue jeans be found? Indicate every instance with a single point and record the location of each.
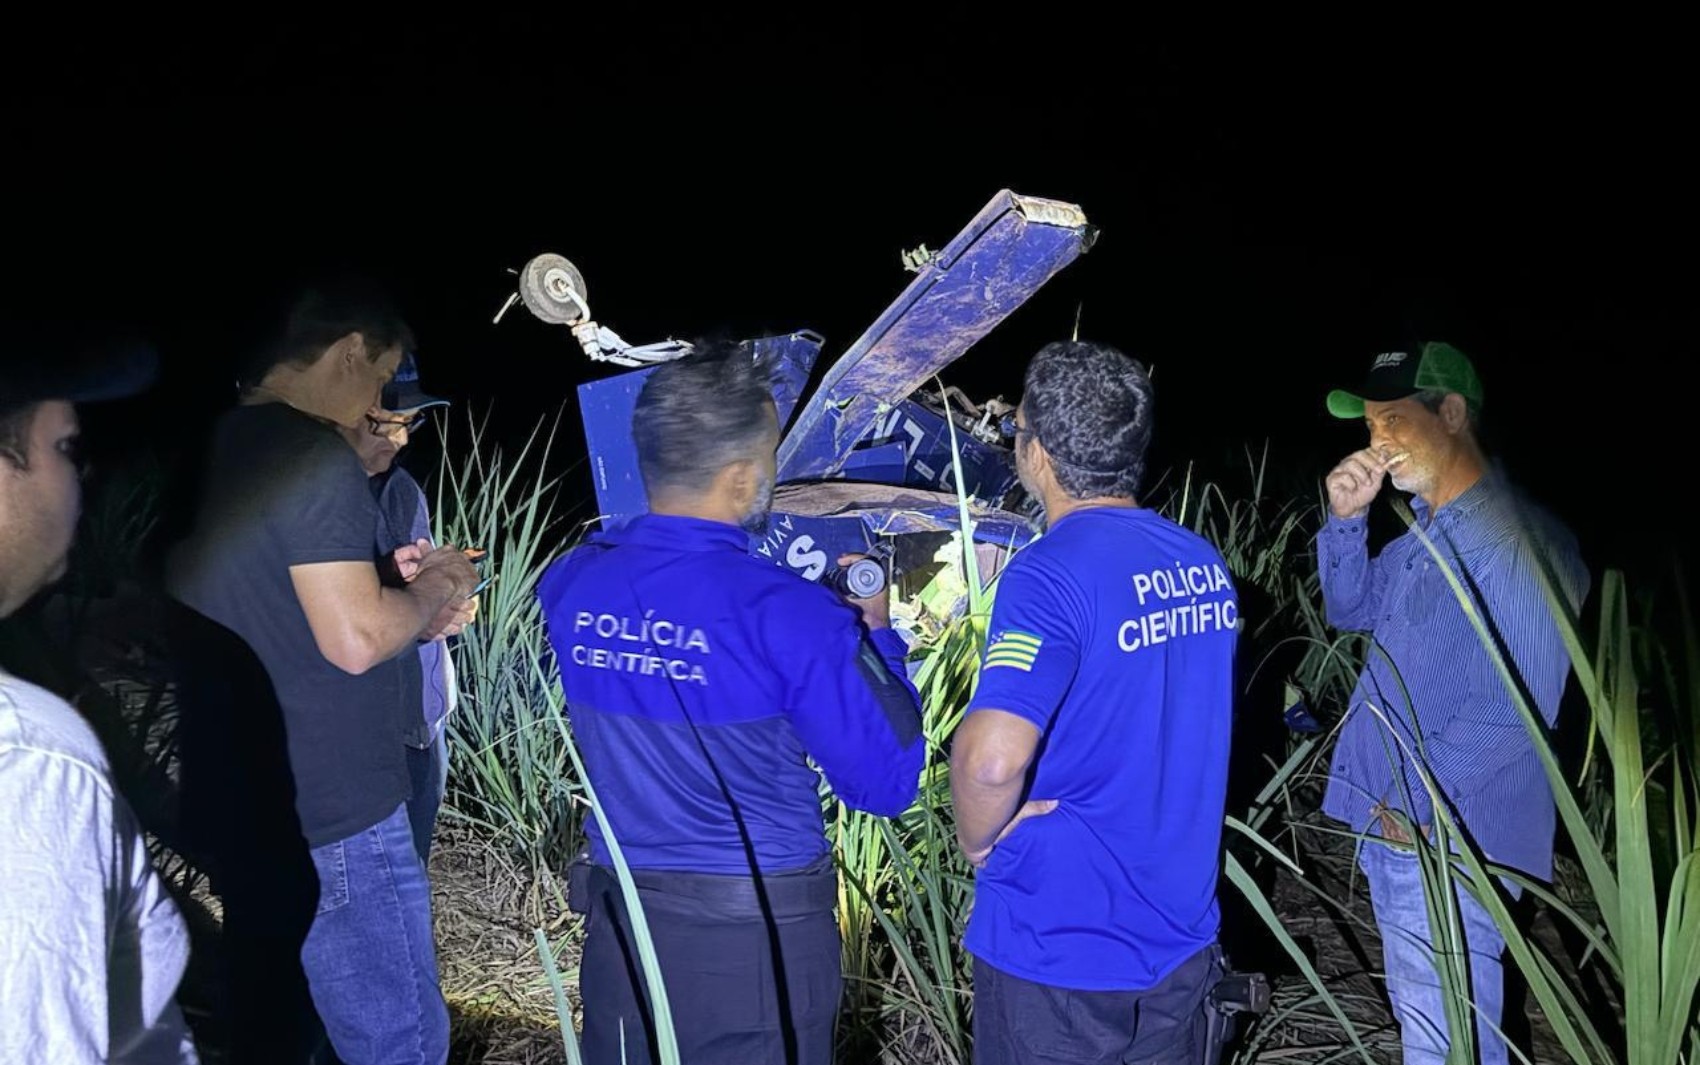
(369, 959)
(1413, 983)
(428, 769)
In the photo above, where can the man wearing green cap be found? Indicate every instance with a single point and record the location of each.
(1430, 705)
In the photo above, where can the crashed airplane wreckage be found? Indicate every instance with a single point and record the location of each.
(866, 460)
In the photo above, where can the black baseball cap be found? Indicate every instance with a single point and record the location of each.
(403, 391)
(1431, 365)
(77, 365)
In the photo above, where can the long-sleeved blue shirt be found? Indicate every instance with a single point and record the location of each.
(1429, 689)
(404, 518)
(700, 681)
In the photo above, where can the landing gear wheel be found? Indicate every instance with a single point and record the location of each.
(545, 287)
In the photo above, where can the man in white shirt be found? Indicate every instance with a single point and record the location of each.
(91, 946)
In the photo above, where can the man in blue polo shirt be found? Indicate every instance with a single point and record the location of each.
(1090, 773)
(700, 682)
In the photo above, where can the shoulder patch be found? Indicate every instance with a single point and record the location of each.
(1014, 648)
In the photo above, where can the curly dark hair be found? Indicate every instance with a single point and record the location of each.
(699, 414)
(1090, 406)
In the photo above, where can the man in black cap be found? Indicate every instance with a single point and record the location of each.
(404, 526)
(91, 946)
(1431, 722)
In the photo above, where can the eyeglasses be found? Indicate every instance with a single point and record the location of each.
(386, 426)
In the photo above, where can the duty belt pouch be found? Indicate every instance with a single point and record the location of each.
(578, 882)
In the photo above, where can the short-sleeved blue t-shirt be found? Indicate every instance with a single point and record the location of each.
(1114, 635)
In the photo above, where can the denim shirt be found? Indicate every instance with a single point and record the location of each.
(1429, 692)
(402, 519)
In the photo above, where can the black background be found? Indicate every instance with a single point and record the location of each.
(1274, 209)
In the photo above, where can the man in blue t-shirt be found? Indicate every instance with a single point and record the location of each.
(701, 682)
(1090, 773)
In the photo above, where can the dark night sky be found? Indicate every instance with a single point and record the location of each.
(1271, 215)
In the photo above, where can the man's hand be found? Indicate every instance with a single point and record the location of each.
(876, 610)
(448, 564)
(1392, 829)
(1030, 808)
(1354, 484)
(452, 620)
(407, 557)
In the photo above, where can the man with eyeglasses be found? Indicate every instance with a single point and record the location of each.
(404, 532)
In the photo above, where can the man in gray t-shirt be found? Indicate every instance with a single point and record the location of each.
(280, 558)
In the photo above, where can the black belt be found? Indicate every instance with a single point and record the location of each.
(712, 896)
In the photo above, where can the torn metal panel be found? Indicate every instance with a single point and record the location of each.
(606, 406)
(993, 266)
(896, 510)
(912, 444)
(792, 357)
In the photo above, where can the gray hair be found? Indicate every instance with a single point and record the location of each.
(1432, 398)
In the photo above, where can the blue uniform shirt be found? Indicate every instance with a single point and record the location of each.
(700, 681)
(1114, 634)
